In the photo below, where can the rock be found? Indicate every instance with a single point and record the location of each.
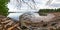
(26, 23)
(51, 22)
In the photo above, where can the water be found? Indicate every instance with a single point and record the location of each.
(14, 15)
(20, 7)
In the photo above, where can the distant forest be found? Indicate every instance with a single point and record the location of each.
(49, 10)
(43, 12)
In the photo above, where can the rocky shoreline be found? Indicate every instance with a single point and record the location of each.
(44, 24)
(7, 23)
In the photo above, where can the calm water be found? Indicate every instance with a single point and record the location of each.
(14, 15)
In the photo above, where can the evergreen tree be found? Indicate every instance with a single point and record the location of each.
(49, 10)
(3, 7)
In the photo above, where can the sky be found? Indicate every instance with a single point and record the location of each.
(14, 5)
(53, 4)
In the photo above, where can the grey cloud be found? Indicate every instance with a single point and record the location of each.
(55, 5)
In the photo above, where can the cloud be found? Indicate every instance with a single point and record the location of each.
(54, 4)
(13, 5)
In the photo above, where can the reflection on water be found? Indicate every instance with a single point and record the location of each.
(23, 6)
(14, 15)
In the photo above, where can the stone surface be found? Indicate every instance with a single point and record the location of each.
(51, 22)
(7, 23)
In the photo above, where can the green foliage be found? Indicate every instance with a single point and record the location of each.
(3, 8)
(49, 10)
(44, 12)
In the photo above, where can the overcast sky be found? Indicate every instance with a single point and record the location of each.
(14, 5)
(42, 3)
(54, 4)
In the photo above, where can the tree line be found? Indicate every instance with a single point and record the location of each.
(3, 7)
(49, 10)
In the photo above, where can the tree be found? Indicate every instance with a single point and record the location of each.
(49, 10)
(3, 8)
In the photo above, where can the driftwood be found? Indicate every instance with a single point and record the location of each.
(8, 24)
